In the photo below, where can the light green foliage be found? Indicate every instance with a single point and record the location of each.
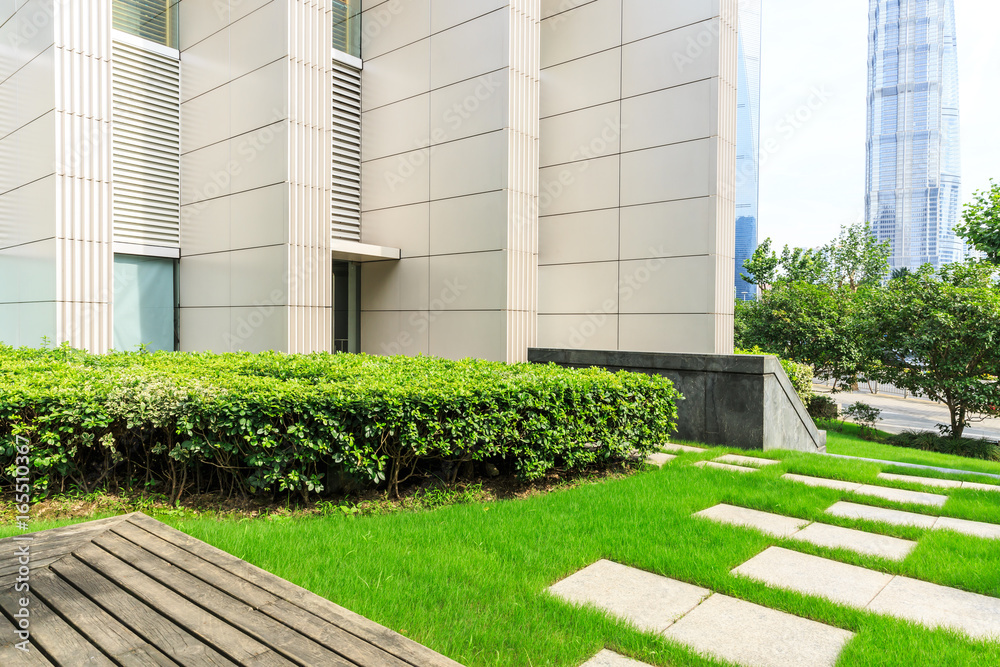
(800, 375)
(809, 265)
(278, 423)
(864, 415)
(981, 222)
(763, 266)
(937, 334)
(856, 258)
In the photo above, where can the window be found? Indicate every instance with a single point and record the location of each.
(153, 20)
(144, 303)
(347, 26)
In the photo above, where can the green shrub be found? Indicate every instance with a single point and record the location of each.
(800, 375)
(821, 406)
(251, 423)
(975, 448)
(864, 415)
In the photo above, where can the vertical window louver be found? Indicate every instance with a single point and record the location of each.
(346, 153)
(154, 20)
(146, 147)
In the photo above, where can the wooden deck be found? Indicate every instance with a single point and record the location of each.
(133, 591)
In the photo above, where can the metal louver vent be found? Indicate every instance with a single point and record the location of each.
(146, 147)
(346, 153)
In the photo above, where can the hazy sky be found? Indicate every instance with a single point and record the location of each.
(814, 71)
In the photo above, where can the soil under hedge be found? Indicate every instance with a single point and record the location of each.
(270, 423)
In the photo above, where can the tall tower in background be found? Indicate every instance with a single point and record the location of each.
(913, 194)
(748, 141)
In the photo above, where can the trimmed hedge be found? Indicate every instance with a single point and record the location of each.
(269, 423)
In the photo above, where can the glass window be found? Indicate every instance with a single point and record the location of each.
(155, 20)
(144, 303)
(347, 26)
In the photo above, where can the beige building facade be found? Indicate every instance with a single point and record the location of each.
(447, 177)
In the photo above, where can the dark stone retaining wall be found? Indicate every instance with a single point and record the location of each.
(743, 401)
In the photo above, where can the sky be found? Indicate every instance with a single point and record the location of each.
(813, 106)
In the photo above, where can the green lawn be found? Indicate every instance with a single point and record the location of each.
(470, 580)
(848, 443)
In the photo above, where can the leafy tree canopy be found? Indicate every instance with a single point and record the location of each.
(981, 222)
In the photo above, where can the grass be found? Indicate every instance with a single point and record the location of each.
(849, 444)
(470, 580)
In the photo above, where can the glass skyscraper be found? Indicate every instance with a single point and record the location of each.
(913, 197)
(747, 141)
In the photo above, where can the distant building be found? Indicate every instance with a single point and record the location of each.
(747, 141)
(453, 178)
(913, 195)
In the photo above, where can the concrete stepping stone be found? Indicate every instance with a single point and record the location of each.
(748, 461)
(894, 517)
(930, 605)
(748, 634)
(925, 481)
(650, 602)
(902, 496)
(681, 449)
(608, 658)
(976, 486)
(723, 466)
(812, 575)
(871, 544)
(659, 459)
(837, 484)
(770, 524)
(990, 531)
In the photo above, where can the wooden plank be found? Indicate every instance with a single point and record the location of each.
(223, 637)
(323, 632)
(266, 630)
(11, 655)
(114, 639)
(55, 637)
(76, 529)
(158, 630)
(392, 642)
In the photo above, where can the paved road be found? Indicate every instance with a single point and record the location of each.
(901, 414)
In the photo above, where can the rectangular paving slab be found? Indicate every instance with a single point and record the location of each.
(723, 466)
(750, 461)
(925, 481)
(659, 459)
(748, 634)
(939, 606)
(975, 486)
(894, 517)
(681, 449)
(822, 482)
(872, 544)
(770, 524)
(990, 531)
(812, 575)
(651, 602)
(902, 496)
(608, 658)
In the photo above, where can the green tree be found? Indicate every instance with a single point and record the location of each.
(763, 266)
(808, 265)
(809, 324)
(856, 258)
(937, 334)
(981, 222)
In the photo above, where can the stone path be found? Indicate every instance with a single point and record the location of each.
(659, 459)
(884, 492)
(928, 604)
(723, 466)
(681, 449)
(820, 534)
(710, 624)
(900, 518)
(748, 461)
(940, 483)
(608, 658)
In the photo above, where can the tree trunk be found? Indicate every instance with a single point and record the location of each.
(958, 422)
